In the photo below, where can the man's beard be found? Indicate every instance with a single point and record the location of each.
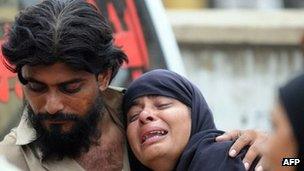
(56, 144)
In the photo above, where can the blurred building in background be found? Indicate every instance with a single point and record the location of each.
(233, 4)
(238, 52)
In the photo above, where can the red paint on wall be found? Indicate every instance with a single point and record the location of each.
(132, 40)
(5, 76)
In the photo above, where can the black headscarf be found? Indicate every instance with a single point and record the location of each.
(201, 152)
(292, 99)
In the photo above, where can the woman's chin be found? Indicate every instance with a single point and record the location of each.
(154, 151)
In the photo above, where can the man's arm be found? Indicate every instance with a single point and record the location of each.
(243, 138)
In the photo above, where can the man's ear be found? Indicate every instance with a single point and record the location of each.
(104, 79)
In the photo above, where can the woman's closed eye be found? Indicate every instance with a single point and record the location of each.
(162, 106)
(133, 117)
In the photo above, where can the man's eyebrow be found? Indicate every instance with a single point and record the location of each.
(30, 79)
(75, 80)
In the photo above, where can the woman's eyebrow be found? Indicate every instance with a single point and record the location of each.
(135, 103)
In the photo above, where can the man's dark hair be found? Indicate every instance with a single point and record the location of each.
(69, 31)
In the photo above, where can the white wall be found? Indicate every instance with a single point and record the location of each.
(240, 83)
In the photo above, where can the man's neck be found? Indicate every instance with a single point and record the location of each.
(108, 155)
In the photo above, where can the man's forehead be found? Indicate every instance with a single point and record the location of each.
(56, 66)
(58, 72)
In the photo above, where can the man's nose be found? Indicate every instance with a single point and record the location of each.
(146, 116)
(53, 103)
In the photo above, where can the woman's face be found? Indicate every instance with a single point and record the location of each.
(281, 143)
(158, 128)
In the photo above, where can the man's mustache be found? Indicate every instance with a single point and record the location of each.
(56, 117)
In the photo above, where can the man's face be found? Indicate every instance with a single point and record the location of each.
(59, 89)
(64, 105)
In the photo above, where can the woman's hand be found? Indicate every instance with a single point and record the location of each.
(243, 138)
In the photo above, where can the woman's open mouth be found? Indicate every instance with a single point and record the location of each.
(150, 137)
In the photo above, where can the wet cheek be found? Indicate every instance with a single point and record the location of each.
(132, 134)
(133, 139)
(183, 122)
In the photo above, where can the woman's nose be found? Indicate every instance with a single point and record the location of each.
(146, 117)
